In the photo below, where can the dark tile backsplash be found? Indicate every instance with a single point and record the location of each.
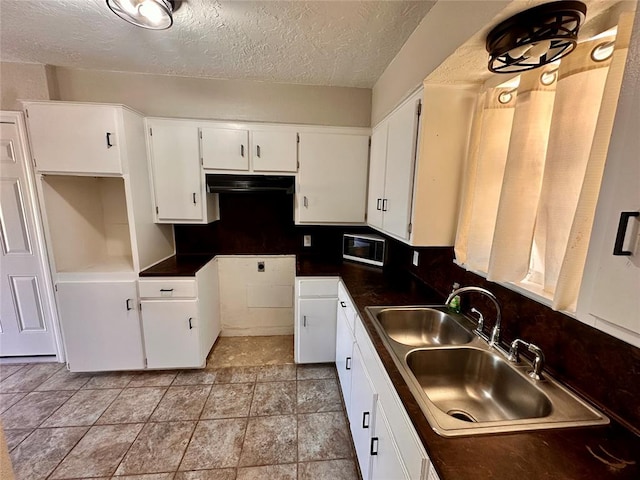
(597, 365)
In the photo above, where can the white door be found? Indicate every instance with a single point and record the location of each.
(171, 333)
(274, 151)
(25, 321)
(332, 178)
(401, 154)
(361, 410)
(316, 330)
(377, 165)
(386, 462)
(344, 354)
(177, 177)
(75, 138)
(225, 148)
(100, 325)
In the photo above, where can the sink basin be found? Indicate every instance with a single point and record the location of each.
(419, 327)
(475, 385)
(465, 387)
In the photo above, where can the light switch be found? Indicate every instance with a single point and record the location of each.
(307, 240)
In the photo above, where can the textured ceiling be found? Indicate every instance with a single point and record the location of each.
(338, 43)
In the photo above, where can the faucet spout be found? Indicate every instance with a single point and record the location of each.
(495, 333)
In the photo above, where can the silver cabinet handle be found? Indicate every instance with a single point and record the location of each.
(305, 202)
(194, 198)
(258, 150)
(190, 325)
(304, 320)
(109, 144)
(128, 304)
(242, 150)
(166, 289)
(347, 363)
(384, 204)
(378, 207)
(343, 305)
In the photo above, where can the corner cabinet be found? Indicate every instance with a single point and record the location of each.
(179, 189)
(332, 179)
(417, 156)
(387, 446)
(315, 319)
(180, 318)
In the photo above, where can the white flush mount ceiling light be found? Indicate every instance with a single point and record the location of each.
(535, 37)
(151, 14)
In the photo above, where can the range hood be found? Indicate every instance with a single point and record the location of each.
(250, 183)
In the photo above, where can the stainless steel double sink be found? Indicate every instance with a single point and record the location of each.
(463, 386)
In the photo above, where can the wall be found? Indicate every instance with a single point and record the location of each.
(445, 28)
(188, 97)
(28, 81)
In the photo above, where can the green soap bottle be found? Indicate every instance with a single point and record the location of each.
(454, 304)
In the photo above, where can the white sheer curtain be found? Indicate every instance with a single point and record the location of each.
(491, 156)
(534, 171)
(522, 181)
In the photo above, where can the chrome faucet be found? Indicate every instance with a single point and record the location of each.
(495, 333)
(538, 362)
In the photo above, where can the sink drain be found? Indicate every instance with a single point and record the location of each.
(462, 415)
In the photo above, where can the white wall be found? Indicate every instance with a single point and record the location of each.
(26, 81)
(189, 97)
(445, 28)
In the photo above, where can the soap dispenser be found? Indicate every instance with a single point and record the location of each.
(454, 304)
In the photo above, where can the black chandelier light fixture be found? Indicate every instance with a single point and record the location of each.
(151, 14)
(535, 37)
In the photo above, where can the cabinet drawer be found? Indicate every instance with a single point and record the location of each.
(168, 288)
(318, 287)
(344, 301)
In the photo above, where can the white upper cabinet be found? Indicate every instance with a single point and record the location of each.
(242, 148)
(332, 180)
(76, 138)
(178, 179)
(417, 154)
(274, 151)
(377, 170)
(225, 148)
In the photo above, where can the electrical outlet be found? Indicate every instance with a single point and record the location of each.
(307, 241)
(416, 255)
(261, 266)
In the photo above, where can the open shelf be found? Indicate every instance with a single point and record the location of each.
(88, 222)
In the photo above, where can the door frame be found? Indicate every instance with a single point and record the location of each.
(17, 118)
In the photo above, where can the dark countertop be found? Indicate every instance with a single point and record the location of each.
(561, 454)
(177, 266)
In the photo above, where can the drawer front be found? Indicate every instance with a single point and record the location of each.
(318, 287)
(344, 302)
(168, 288)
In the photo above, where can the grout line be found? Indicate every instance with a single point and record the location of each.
(195, 427)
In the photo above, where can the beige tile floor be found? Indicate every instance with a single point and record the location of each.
(251, 414)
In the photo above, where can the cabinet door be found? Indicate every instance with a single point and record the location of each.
(332, 178)
(344, 354)
(225, 148)
(171, 334)
(100, 325)
(377, 166)
(386, 462)
(75, 138)
(273, 151)
(177, 177)
(361, 410)
(402, 142)
(316, 341)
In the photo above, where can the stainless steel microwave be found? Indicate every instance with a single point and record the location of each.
(369, 249)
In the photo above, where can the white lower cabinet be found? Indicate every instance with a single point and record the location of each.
(315, 319)
(387, 446)
(100, 325)
(171, 334)
(180, 318)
